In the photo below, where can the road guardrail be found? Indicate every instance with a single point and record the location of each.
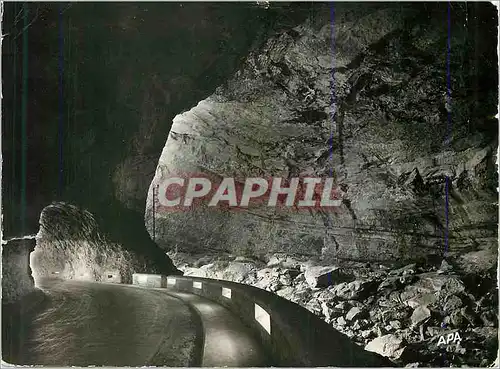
(291, 334)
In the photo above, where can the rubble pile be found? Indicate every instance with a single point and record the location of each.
(404, 313)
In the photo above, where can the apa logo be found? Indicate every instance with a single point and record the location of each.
(450, 338)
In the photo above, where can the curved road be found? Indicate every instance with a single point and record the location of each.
(87, 323)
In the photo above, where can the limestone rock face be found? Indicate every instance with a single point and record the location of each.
(70, 245)
(17, 280)
(360, 97)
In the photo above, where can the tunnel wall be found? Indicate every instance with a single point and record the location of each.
(297, 337)
(17, 280)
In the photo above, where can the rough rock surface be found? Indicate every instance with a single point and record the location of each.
(323, 276)
(128, 70)
(70, 245)
(361, 98)
(17, 279)
(385, 345)
(403, 311)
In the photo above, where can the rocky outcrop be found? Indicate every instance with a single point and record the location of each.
(360, 95)
(70, 245)
(17, 279)
(398, 311)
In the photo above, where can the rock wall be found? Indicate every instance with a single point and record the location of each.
(360, 95)
(70, 245)
(128, 69)
(17, 279)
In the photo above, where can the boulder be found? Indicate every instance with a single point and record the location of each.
(369, 333)
(330, 312)
(456, 319)
(425, 299)
(420, 315)
(396, 313)
(355, 290)
(354, 313)
(324, 276)
(406, 270)
(326, 295)
(314, 306)
(392, 283)
(237, 271)
(435, 282)
(489, 318)
(343, 305)
(452, 303)
(396, 324)
(445, 267)
(341, 321)
(196, 272)
(285, 279)
(286, 293)
(386, 345)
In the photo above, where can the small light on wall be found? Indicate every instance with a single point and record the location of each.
(226, 292)
(263, 318)
(171, 281)
(197, 285)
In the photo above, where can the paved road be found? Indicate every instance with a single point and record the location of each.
(88, 323)
(227, 342)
